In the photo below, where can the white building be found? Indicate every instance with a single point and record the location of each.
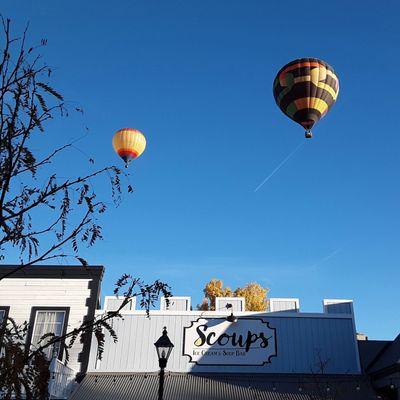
(53, 299)
(230, 353)
(234, 354)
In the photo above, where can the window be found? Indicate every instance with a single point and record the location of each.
(3, 322)
(48, 320)
(3, 314)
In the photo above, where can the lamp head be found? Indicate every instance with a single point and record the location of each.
(164, 347)
(230, 318)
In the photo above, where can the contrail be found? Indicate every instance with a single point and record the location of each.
(330, 255)
(280, 165)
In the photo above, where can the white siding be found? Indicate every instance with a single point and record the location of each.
(112, 303)
(21, 294)
(175, 303)
(284, 304)
(301, 338)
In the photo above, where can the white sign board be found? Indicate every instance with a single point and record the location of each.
(216, 341)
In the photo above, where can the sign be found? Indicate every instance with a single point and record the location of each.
(216, 341)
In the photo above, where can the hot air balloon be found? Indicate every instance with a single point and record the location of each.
(305, 90)
(129, 144)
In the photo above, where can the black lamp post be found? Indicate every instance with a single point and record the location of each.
(164, 347)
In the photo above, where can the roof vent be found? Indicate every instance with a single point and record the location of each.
(175, 303)
(112, 303)
(284, 305)
(338, 306)
(238, 304)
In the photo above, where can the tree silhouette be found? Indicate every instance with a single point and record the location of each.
(41, 213)
(44, 216)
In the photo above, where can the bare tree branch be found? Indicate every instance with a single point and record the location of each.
(39, 221)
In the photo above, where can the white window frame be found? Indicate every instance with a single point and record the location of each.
(36, 311)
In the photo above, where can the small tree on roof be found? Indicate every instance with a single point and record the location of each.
(254, 293)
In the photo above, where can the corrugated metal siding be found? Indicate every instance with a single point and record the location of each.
(283, 305)
(300, 342)
(179, 305)
(338, 308)
(113, 303)
(21, 294)
(176, 304)
(220, 387)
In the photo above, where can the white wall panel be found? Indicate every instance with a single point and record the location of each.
(301, 340)
(21, 294)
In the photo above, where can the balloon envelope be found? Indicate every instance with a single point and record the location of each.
(129, 143)
(305, 90)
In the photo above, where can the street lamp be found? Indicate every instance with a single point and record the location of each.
(231, 318)
(164, 347)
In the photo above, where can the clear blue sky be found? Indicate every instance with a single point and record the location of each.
(196, 77)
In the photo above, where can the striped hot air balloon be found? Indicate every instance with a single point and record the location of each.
(305, 90)
(129, 144)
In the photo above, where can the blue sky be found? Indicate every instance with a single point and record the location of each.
(196, 78)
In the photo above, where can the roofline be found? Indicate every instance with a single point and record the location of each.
(239, 314)
(384, 372)
(395, 365)
(53, 271)
(290, 376)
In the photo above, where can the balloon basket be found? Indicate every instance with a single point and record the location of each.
(308, 134)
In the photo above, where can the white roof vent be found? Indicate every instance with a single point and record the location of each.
(112, 303)
(175, 303)
(238, 304)
(338, 306)
(284, 305)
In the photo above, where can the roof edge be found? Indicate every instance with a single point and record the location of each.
(53, 271)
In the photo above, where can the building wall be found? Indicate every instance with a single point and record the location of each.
(21, 294)
(302, 339)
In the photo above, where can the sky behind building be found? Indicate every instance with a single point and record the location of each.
(196, 78)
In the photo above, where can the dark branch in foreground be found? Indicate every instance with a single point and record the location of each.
(26, 369)
(46, 221)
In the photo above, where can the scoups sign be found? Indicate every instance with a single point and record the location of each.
(216, 341)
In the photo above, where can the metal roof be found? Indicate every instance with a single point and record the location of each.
(369, 351)
(180, 386)
(53, 271)
(389, 357)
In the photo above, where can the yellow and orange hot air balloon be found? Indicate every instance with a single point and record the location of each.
(129, 144)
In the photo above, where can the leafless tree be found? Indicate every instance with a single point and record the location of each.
(44, 216)
(320, 386)
(37, 206)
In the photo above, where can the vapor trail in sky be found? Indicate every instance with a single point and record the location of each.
(326, 258)
(280, 165)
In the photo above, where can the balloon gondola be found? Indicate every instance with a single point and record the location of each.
(129, 144)
(305, 89)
